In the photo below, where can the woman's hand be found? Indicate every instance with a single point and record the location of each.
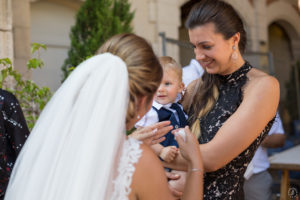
(174, 176)
(152, 134)
(189, 148)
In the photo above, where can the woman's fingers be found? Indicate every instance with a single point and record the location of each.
(172, 176)
(146, 133)
(152, 134)
(161, 124)
(163, 131)
(175, 193)
(156, 141)
(179, 139)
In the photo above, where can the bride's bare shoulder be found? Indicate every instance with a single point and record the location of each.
(149, 180)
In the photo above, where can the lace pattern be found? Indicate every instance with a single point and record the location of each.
(130, 155)
(227, 182)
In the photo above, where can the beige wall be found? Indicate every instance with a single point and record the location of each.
(53, 31)
(6, 36)
(21, 35)
(153, 17)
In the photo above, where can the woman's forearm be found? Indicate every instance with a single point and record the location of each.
(193, 188)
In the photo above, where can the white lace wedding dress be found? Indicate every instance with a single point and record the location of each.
(131, 153)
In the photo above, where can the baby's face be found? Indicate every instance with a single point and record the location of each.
(169, 87)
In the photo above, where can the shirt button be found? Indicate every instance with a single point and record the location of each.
(176, 127)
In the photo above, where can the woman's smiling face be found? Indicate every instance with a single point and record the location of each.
(211, 50)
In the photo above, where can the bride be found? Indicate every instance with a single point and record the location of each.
(78, 149)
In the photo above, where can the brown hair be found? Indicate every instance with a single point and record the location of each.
(144, 70)
(227, 22)
(222, 15)
(168, 62)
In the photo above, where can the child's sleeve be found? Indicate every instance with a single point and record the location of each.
(149, 118)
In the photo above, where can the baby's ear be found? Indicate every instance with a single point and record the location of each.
(181, 87)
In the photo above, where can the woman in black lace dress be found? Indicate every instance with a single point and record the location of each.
(231, 108)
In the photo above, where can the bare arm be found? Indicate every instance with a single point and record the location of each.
(150, 169)
(156, 187)
(259, 106)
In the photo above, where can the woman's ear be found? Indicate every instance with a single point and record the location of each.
(236, 38)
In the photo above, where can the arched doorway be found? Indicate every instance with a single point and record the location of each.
(280, 46)
(185, 54)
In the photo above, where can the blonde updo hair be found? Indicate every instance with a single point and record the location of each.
(144, 70)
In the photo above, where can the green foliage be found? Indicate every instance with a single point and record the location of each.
(291, 98)
(130, 131)
(96, 21)
(32, 98)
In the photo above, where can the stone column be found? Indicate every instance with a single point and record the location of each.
(21, 35)
(261, 32)
(6, 37)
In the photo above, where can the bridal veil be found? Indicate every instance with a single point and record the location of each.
(72, 151)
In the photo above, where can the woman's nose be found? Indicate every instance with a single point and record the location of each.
(199, 55)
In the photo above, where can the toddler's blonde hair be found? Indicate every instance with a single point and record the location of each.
(168, 62)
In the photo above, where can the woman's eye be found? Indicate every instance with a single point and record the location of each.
(206, 47)
(167, 83)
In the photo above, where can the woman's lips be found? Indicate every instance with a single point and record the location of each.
(206, 63)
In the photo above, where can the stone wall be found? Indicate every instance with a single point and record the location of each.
(21, 35)
(153, 17)
(6, 37)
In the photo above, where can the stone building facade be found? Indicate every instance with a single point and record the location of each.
(272, 26)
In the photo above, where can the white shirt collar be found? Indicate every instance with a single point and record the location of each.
(158, 105)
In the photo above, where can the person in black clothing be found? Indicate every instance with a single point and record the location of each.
(13, 134)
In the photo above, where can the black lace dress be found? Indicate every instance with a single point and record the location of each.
(227, 182)
(13, 133)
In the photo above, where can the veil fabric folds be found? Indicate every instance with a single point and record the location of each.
(72, 151)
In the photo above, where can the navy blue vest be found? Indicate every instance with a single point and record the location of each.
(164, 115)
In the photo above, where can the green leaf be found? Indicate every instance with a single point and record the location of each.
(6, 62)
(35, 63)
(36, 47)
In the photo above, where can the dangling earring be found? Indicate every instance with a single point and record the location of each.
(138, 117)
(234, 54)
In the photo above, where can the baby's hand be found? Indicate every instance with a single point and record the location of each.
(169, 153)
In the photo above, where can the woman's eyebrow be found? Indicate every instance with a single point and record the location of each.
(203, 42)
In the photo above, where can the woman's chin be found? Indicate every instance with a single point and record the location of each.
(211, 70)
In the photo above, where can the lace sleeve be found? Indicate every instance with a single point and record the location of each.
(130, 156)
